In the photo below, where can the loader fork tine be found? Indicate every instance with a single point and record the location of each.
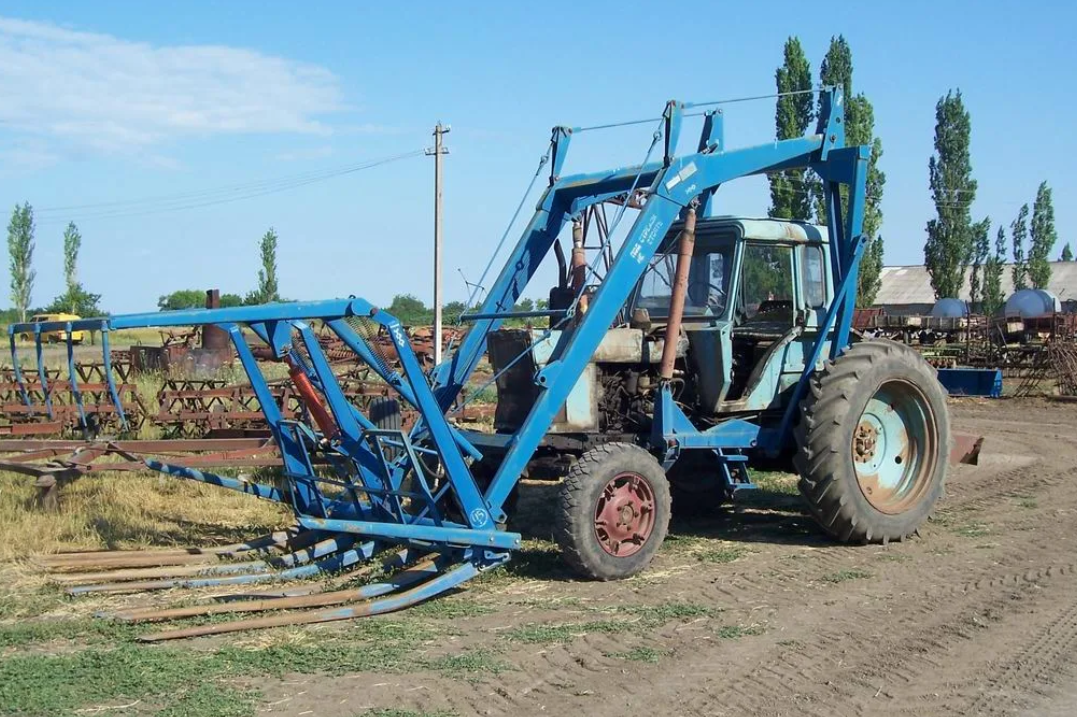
(420, 571)
(326, 557)
(440, 582)
(394, 562)
(264, 545)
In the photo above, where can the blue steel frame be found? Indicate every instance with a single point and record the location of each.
(368, 494)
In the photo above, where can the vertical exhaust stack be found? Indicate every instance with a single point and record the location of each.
(579, 265)
(686, 244)
(214, 337)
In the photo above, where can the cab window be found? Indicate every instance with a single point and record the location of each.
(814, 277)
(708, 283)
(766, 280)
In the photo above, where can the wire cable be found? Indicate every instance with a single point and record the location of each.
(221, 195)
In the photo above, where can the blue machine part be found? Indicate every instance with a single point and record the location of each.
(384, 489)
(950, 309)
(1030, 303)
(985, 382)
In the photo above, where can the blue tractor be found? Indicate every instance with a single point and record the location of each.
(721, 326)
(673, 354)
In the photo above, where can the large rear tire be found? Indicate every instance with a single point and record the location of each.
(874, 436)
(613, 512)
(384, 413)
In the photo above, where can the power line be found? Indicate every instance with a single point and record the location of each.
(215, 196)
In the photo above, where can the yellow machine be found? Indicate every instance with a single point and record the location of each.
(54, 335)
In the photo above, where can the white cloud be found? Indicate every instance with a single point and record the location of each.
(27, 154)
(106, 94)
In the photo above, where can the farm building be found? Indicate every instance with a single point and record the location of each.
(906, 290)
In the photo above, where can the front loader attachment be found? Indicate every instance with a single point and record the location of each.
(397, 507)
(402, 508)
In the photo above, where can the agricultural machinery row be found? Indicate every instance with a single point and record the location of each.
(1036, 352)
(676, 353)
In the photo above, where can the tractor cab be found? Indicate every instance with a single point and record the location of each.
(755, 295)
(755, 287)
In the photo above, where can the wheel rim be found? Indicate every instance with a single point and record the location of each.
(895, 447)
(624, 516)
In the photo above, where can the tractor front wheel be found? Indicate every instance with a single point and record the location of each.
(613, 512)
(874, 437)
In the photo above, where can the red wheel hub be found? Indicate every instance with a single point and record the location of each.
(624, 516)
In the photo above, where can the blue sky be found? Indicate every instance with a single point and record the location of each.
(119, 101)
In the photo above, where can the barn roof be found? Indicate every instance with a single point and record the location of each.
(912, 284)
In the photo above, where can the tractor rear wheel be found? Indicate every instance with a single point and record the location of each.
(874, 437)
(385, 413)
(613, 512)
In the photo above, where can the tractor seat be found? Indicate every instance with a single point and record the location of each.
(762, 330)
(771, 321)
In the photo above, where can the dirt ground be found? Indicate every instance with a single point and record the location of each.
(755, 612)
(976, 616)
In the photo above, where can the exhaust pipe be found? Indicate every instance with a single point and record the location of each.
(579, 266)
(686, 244)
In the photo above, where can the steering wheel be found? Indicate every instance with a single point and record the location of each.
(715, 295)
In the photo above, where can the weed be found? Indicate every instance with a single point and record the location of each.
(211, 699)
(537, 633)
(845, 575)
(659, 614)
(774, 482)
(449, 608)
(87, 630)
(640, 654)
(895, 557)
(404, 713)
(472, 662)
(1027, 502)
(972, 530)
(734, 632)
(536, 559)
(721, 555)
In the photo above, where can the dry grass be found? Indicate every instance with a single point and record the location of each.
(116, 510)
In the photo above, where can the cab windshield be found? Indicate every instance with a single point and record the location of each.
(708, 283)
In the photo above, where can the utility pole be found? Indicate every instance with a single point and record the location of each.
(437, 151)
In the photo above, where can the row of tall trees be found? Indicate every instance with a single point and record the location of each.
(75, 299)
(796, 193)
(266, 292)
(956, 245)
(21, 244)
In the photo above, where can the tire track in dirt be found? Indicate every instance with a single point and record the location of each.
(949, 615)
(748, 588)
(1048, 651)
(929, 620)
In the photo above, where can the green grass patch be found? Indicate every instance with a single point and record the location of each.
(735, 632)
(640, 654)
(1027, 502)
(774, 482)
(637, 616)
(450, 608)
(58, 684)
(470, 663)
(721, 555)
(547, 633)
(893, 557)
(972, 530)
(666, 612)
(18, 606)
(404, 713)
(842, 576)
(534, 560)
(212, 699)
(90, 631)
